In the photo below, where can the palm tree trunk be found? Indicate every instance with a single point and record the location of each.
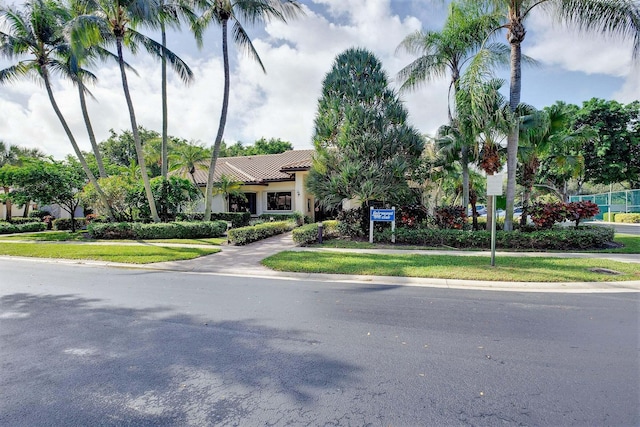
(165, 110)
(7, 204)
(136, 136)
(512, 139)
(92, 136)
(223, 120)
(74, 144)
(464, 159)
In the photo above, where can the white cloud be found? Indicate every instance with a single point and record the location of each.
(556, 44)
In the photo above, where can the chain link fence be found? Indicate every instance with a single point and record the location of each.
(627, 201)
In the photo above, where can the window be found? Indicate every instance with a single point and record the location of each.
(280, 201)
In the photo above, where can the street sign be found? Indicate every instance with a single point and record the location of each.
(494, 185)
(385, 215)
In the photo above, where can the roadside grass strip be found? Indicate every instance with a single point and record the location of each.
(130, 254)
(508, 269)
(67, 236)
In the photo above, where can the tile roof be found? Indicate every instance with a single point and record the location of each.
(258, 169)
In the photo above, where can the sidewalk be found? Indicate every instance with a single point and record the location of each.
(245, 261)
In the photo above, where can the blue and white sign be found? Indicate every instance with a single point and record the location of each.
(385, 215)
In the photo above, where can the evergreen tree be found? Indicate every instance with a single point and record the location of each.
(365, 150)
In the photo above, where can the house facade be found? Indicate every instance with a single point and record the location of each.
(271, 183)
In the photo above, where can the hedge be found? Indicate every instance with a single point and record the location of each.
(65, 223)
(244, 235)
(554, 239)
(295, 216)
(172, 230)
(308, 234)
(22, 220)
(629, 218)
(237, 219)
(30, 227)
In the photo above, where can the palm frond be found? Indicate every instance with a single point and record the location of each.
(242, 39)
(156, 49)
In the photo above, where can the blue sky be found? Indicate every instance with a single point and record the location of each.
(282, 104)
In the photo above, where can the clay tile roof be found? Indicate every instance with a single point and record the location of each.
(259, 169)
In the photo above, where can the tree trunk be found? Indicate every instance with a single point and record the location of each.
(223, 120)
(512, 140)
(136, 135)
(7, 204)
(25, 214)
(74, 144)
(464, 159)
(92, 136)
(165, 110)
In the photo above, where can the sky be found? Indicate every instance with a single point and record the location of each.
(572, 67)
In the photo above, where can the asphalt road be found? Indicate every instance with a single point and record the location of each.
(93, 346)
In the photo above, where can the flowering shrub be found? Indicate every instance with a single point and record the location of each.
(413, 216)
(450, 217)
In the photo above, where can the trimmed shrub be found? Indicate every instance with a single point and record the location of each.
(555, 239)
(172, 230)
(295, 216)
(629, 218)
(237, 219)
(577, 211)
(22, 220)
(308, 234)
(29, 227)
(65, 223)
(39, 214)
(413, 216)
(350, 223)
(244, 235)
(608, 217)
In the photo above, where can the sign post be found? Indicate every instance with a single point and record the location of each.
(382, 215)
(494, 188)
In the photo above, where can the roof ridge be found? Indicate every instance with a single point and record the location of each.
(240, 171)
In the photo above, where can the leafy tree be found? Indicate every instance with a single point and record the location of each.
(365, 149)
(614, 154)
(222, 12)
(120, 149)
(616, 17)
(261, 146)
(118, 189)
(39, 32)
(49, 182)
(116, 21)
(172, 195)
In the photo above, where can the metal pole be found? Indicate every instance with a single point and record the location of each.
(493, 232)
(370, 225)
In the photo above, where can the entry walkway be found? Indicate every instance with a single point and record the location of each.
(245, 261)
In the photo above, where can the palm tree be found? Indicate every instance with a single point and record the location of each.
(447, 52)
(615, 17)
(39, 32)
(222, 12)
(115, 21)
(186, 158)
(227, 186)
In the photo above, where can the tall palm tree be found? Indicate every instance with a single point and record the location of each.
(615, 17)
(222, 12)
(38, 32)
(115, 21)
(447, 52)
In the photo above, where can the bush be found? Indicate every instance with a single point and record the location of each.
(629, 218)
(414, 216)
(577, 211)
(172, 230)
(39, 214)
(350, 223)
(450, 217)
(29, 227)
(295, 216)
(244, 235)
(237, 219)
(308, 234)
(545, 215)
(608, 217)
(65, 223)
(22, 220)
(555, 239)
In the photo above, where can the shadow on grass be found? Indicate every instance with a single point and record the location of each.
(72, 361)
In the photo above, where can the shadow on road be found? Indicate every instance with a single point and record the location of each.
(71, 361)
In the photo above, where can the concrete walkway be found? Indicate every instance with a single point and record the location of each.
(245, 261)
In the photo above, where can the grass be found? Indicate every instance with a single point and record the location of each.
(631, 244)
(66, 236)
(512, 269)
(132, 254)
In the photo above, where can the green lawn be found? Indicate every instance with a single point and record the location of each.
(66, 236)
(133, 254)
(512, 269)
